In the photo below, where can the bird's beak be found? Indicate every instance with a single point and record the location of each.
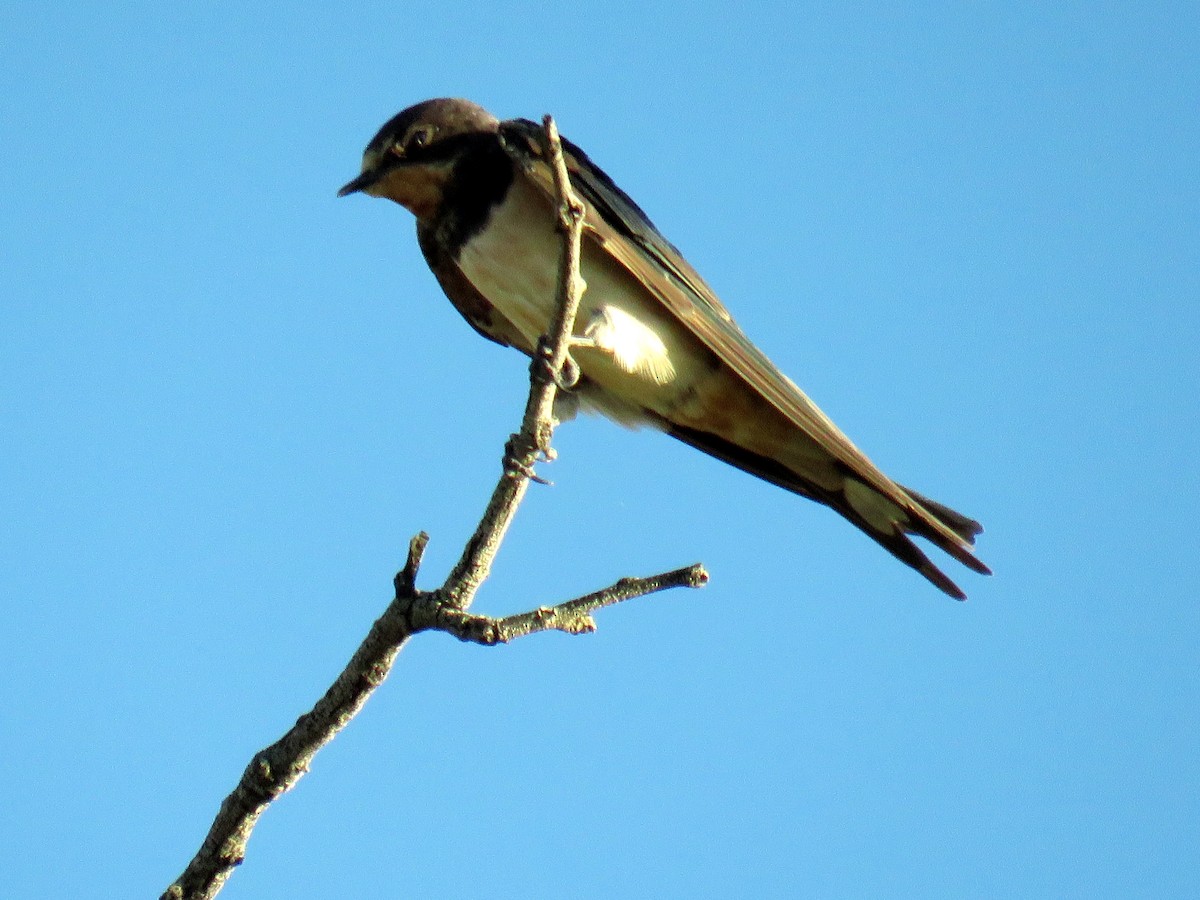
(365, 180)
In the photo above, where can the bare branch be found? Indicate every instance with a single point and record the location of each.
(573, 616)
(276, 769)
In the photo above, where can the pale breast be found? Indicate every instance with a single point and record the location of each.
(644, 357)
(512, 260)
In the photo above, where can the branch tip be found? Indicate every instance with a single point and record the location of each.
(405, 581)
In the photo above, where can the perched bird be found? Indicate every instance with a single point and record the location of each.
(653, 344)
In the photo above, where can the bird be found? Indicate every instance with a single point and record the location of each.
(653, 345)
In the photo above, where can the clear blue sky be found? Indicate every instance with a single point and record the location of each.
(227, 399)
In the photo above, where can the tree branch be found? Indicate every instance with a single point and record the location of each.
(276, 769)
(573, 616)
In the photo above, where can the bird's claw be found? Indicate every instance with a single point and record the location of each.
(516, 451)
(567, 377)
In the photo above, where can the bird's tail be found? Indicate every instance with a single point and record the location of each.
(888, 520)
(958, 544)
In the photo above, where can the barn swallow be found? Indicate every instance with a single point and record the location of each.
(653, 345)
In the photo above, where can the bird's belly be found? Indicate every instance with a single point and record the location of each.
(513, 261)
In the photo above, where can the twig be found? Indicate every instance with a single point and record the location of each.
(277, 768)
(573, 616)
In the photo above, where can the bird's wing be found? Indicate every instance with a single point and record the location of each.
(618, 225)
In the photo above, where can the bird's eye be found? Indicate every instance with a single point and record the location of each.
(419, 137)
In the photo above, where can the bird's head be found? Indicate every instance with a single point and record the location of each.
(411, 157)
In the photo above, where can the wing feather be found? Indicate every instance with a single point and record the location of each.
(622, 229)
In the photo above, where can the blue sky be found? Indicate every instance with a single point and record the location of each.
(228, 399)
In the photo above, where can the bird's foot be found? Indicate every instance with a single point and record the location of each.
(566, 378)
(517, 450)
